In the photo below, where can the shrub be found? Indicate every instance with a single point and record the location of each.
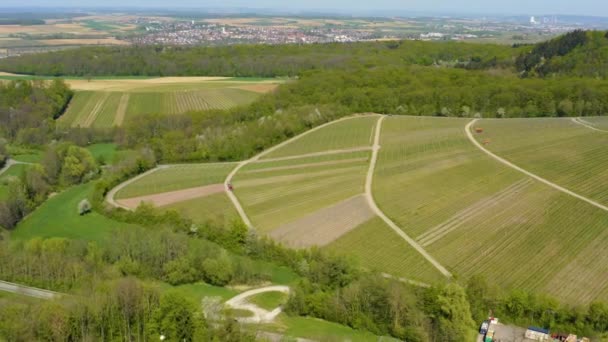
(84, 207)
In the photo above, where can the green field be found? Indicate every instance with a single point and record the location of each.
(600, 122)
(476, 216)
(566, 153)
(350, 133)
(177, 177)
(280, 194)
(269, 300)
(14, 171)
(210, 209)
(376, 247)
(58, 217)
(320, 330)
(110, 103)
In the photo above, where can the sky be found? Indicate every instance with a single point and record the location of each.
(507, 7)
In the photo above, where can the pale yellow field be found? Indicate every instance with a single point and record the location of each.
(104, 41)
(46, 29)
(182, 82)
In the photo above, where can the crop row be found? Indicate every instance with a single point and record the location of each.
(559, 150)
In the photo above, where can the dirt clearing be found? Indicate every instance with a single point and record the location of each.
(326, 225)
(167, 198)
(261, 88)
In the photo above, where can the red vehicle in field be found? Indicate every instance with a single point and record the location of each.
(230, 187)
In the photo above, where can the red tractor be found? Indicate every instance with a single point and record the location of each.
(230, 187)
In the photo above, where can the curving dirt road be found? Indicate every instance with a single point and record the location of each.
(259, 315)
(587, 124)
(232, 196)
(372, 203)
(530, 174)
(11, 162)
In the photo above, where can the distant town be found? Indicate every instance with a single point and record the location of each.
(32, 32)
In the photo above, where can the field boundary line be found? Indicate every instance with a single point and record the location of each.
(528, 173)
(318, 154)
(110, 195)
(227, 183)
(28, 291)
(121, 110)
(372, 203)
(587, 124)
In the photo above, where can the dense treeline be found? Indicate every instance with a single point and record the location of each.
(578, 53)
(253, 60)
(28, 109)
(321, 96)
(121, 310)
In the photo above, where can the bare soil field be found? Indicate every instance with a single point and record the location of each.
(167, 198)
(130, 84)
(326, 225)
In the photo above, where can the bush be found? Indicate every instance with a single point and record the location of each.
(84, 207)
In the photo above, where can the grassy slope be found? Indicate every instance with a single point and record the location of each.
(269, 300)
(13, 171)
(214, 209)
(320, 330)
(274, 198)
(152, 98)
(559, 150)
(58, 217)
(355, 132)
(377, 247)
(177, 177)
(537, 239)
(600, 122)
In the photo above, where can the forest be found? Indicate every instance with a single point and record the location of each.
(115, 282)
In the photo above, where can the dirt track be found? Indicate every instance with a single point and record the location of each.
(372, 203)
(587, 124)
(515, 167)
(259, 315)
(326, 225)
(167, 198)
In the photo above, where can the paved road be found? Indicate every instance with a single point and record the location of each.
(235, 201)
(587, 124)
(259, 315)
(372, 203)
(28, 291)
(538, 178)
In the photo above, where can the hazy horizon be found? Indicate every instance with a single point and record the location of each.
(514, 7)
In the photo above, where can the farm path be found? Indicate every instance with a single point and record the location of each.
(235, 201)
(528, 173)
(259, 315)
(11, 162)
(112, 193)
(319, 154)
(372, 203)
(582, 122)
(171, 197)
(28, 291)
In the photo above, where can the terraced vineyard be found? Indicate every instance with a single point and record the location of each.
(566, 153)
(109, 103)
(195, 191)
(601, 122)
(470, 212)
(280, 193)
(477, 216)
(351, 133)
(177, 177)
